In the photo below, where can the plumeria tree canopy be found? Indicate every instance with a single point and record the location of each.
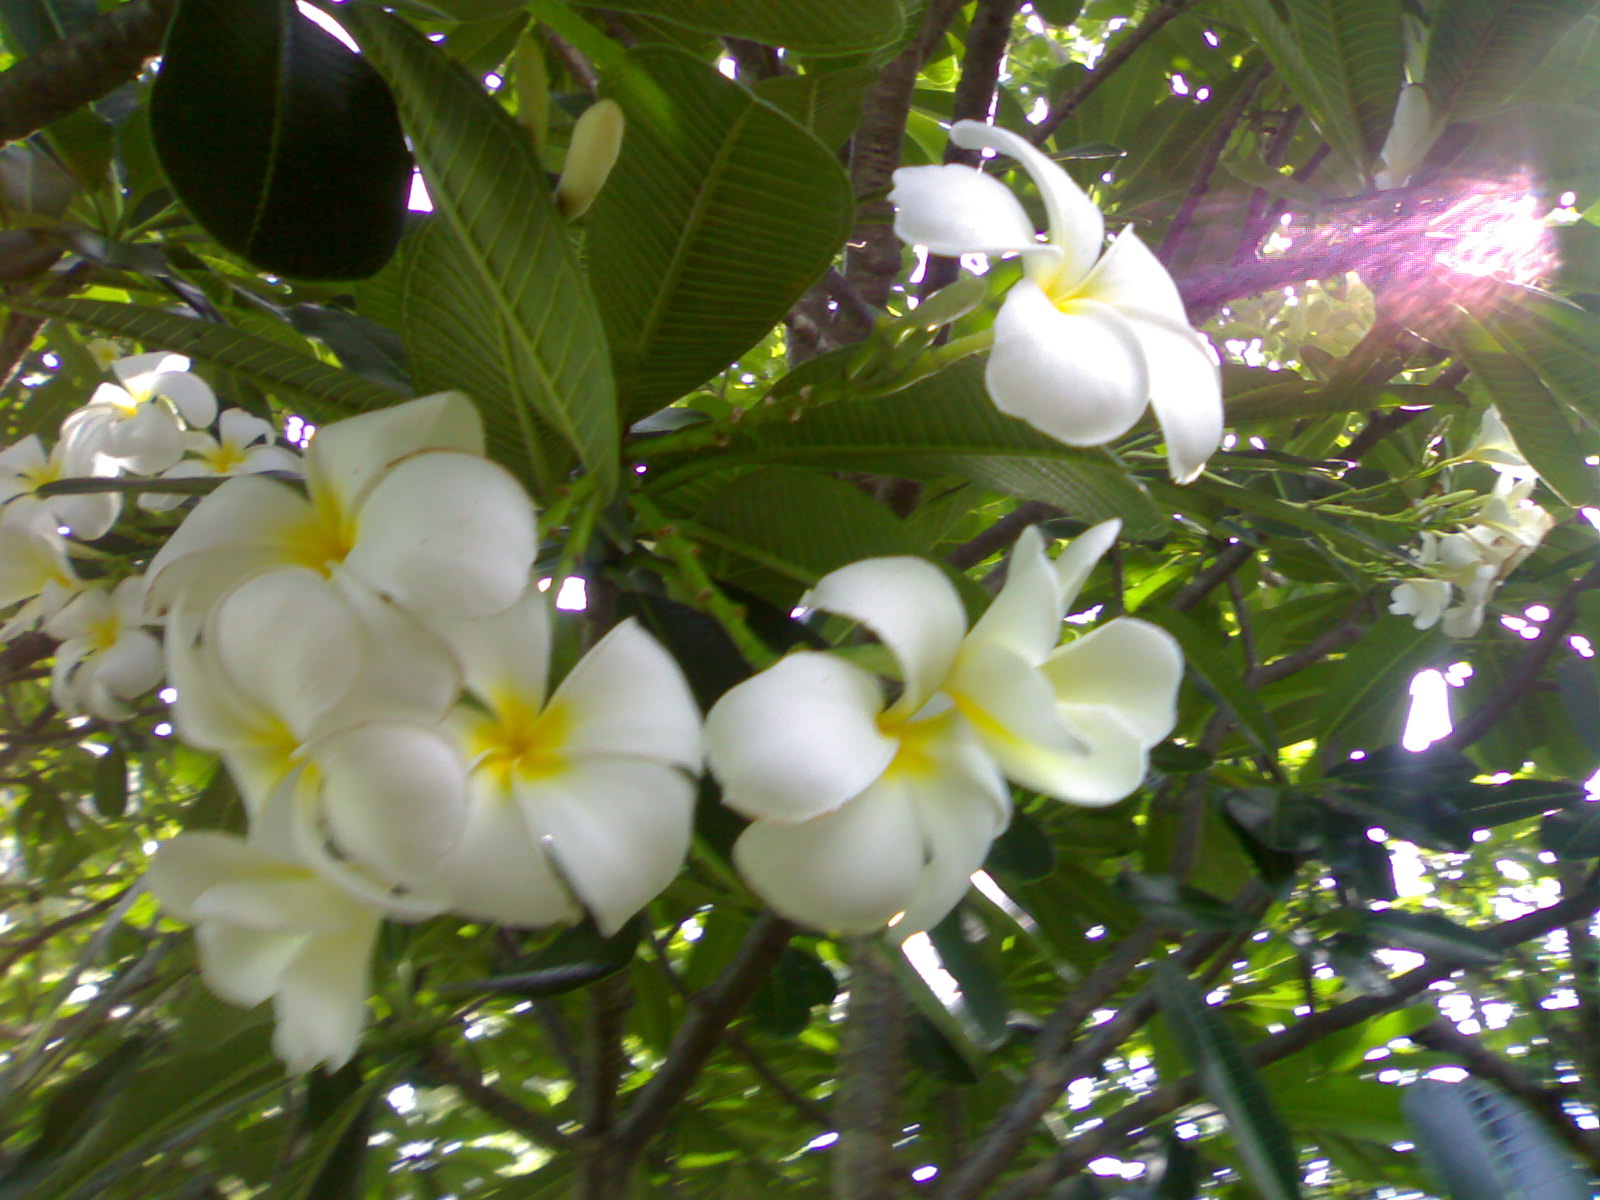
(873, 598)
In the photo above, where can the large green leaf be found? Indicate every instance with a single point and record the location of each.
(945, 426)
(1231, 1082)
(828, 103)
(1558, 340)
(279, 139)
(719, 213)
(1481, 51)
(1546, 434)
(1484, 1145)
(816, 27)
(1341, 59)
(298, 380)
(507, 257)
(1356, 688)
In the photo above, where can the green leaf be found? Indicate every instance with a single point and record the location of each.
(1574, 834)
(1341, 59)
(1364, 683)
(1179, 906)
(719, 213)
(574, 958)
(1227, 1077)
(983, 995)
(1484, 1145)
(820, 27)
(800, 982)
(111, 783)
(279, 139)
(1481, 51)
(330, 1162)
(1542, 429)
(502, 253)
(1432, 934)
(297, 380)
(1023, 851)
(828, 103)
(944, 426)
(1362, 1108)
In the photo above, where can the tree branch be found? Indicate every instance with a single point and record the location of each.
(868, 1074)
(439, 1064)
(1001, 534)
(77, 70)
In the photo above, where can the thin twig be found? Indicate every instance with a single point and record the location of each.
(869, 1065)
(1000, 535)
(1229, 559)
(438, 1063)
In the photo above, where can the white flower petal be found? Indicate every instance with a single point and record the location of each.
(321, 1003)
(240, 428)
(799, 739)
(346, 457)
(505, 654)
(1129, 275)
(617, 830)
(627, 696)
(245, 966)
(395, 796)
(848, 871)
(1078, 376)
(189, 865)
(958, 824)
(147, 442)
(1077, 562)
(191, 395)
(1127, 666)
(955, 209)
(1076, 225)
(1026, 614)
(1185, 390)
(210, 712)
(1115, 761)
(912, 608)
(498, 870)
(447, 534)
(275, 896)
(246, 516)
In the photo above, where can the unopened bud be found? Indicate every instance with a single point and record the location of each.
(596, 141)
(1410, 137)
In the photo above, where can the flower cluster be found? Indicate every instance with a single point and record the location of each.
(370, 658)
(1091, 335)
(150, 422)
(869, 809)
(1474, 560)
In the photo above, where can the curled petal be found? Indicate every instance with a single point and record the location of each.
(958, 824)
(1076, 226)
(1026, 615)
(447, 534)
(148, 441)
(274, 896)
(245, 966)
(506, 653)
(913, 609)
(1422, 599)
(1185, 391)
(1127, 666)
(346, 457)
(848, 871)
(618, 831)
(188, 866)
(1129, 275)
(799, 739)
(1078, 376)
(191, 395)
(956, 210)
(395, 796)
(627, 696)
(1075, 563)
(237, 427)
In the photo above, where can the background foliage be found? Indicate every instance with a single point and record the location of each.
(1301, 961)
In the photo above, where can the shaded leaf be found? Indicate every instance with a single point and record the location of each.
(1432, 934)
(1484, 1145)
(818, 27)
(574, 958)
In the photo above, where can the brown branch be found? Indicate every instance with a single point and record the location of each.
(1525, 673)
(1001, 534)
(702, 1029)
(1348, 630)
(439, 1064)
(869, 1068)
(64, 76)
(1229, 559)
(1113, 58)
(872, 259)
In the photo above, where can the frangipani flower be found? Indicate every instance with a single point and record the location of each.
(25, 467)
(243, 446)
(270, 927)
(329, 702)
(401, 501)
(34, 571)
(130, 424)
(1493, 444)
(865, 808)
(1411, 136)
(580, 799)
(106, 656)
(1091, 336)
(1475, 560)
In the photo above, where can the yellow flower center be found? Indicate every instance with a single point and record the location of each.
(225, 459)
(37, 477)
(917, 756)
(515, 741)
(104, 632)
(323, 539)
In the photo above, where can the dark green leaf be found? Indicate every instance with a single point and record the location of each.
(828, 103)
(574, 958)
(1023, 851)
(305, 383)
(503, 273)
(1482, 51)
(1227, 1077)
(719, 213)
(1179, 906)
(1484, 1145)
(1432, 934)
(970, 962)
(279, 139)
(1574, 834)
(111, 782)
(782, 1004)
(818, 27)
